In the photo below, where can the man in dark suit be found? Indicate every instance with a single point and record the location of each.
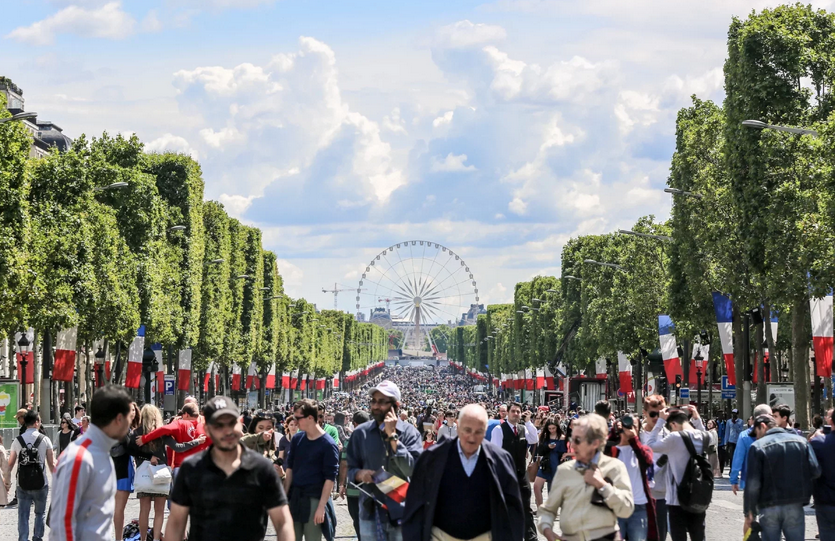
(464, 488)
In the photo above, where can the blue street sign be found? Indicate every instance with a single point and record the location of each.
(169, 384)
(684, 392)
(727, 387)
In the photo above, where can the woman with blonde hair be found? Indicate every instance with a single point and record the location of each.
(150, 419)
(5, 476)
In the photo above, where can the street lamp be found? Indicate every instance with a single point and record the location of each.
(23, 349)
(217, 261)
(676, 191)
(760, 125)
(19, 116)
(114, 186)
(177, 228)
(100, 365)
(664, 238)
(603, 264)
(242, 277)
(266, 288)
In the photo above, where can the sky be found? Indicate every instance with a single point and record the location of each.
(497, 128)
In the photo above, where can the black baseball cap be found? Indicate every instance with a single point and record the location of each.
(219, 406)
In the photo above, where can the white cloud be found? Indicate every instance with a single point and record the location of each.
(393, 123)
(451, 163)
(636, 109)
(293, 277)
(236, 205)
(288, 112)
(171, 143)
(466, 34)
(151, 22)
(219, 139)
(108, 21)
(517, 206)
(443, 120)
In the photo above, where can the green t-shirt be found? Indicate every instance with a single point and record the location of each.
(332, 432)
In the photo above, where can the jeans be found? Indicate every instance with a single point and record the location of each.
(825, 514)
(25, 499)
(368, 531)
(661, 518)
(354, 511)
(786, 519)
(683, 523)
(635, 527)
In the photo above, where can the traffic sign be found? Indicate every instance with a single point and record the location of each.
(727, 387)
(684, 392)
(170, 383)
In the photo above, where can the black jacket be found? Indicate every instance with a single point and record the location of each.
(508, 521)
(825, 484)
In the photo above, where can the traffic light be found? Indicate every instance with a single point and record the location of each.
(678, 382)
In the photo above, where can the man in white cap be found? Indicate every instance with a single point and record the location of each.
(372, 445)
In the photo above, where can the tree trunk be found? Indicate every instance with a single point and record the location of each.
(827, 382)
(800, 356)
(36, 374)
(739, 354)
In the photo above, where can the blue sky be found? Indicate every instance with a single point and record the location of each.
(498, 128)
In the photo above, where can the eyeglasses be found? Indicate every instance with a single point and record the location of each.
(227, 424)
(298, 417)
(381, 402)
(576, 440)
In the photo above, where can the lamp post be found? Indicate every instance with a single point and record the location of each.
(114, 186)
(100, 367)
(664, 238)
(18, 117)
(676, 191)
(149, 365)
(603, 264)
(24, 346)
(760, 125)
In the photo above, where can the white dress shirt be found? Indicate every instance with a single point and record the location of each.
(468, 463)
(530, 434)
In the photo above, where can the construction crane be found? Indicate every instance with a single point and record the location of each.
(336, 290)
(387, 301)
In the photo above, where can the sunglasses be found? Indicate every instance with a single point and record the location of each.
(375, 402)
(298, 417)
(576, 440)
(227, 424)
(653, 414)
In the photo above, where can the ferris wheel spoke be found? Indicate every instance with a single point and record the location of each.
(394, 270)
(454, 285)
(429, 272)
(379, 285)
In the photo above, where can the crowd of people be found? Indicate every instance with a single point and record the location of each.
(418, 456)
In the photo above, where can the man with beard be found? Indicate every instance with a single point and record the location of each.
(373, 444)
(228, 490)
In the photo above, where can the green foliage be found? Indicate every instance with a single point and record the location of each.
(216, 292)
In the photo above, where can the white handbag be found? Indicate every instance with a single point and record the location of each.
(144, 480)
(162, 474)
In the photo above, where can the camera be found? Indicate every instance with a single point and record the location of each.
(446, 422)
(627, 421)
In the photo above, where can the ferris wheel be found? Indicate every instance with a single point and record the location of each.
(421, 283)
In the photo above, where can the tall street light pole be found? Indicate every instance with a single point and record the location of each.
(19, 117)
(24, 346)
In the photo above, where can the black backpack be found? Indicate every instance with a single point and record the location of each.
(30, 469)
(696, 488)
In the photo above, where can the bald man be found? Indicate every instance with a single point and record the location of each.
(476, 497)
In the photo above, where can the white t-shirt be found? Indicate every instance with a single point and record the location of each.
(627, 455)
(29, 437)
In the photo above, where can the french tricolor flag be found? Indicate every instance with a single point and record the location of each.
(304, 383)
(294, 379)
(520, 380)
(134, 375)
(336, 380)
(160, 380)
(704, 350)
(723, 307)
(285, 380)
(184, 371)
(600, 367)
(529, 380)
(540, 378)
(549, 379)
(822, 335)
(270, 383)
(253, 381)
(669, 350)
(65, 345)
(236, 376)
(624, 373)
(208, 377)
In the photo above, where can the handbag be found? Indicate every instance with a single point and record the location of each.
(533, 467)
(162, 474)
(144, 480)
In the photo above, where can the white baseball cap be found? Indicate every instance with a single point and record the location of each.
(388, 388)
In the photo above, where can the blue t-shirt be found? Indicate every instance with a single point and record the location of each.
(491, 424)
(313, 461)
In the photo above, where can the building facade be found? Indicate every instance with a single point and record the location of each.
(45, 134)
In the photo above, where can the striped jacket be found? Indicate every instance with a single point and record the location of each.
(83, 490)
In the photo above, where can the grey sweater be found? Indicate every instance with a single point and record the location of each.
(671, 444)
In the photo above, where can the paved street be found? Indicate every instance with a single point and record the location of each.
(724, 519)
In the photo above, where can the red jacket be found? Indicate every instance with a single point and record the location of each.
(182, 430)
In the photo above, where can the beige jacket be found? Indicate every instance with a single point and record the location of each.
(580, 520)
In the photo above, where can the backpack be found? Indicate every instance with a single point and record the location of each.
(30, 469)
(696, 488)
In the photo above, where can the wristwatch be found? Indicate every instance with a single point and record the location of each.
(393, 437)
